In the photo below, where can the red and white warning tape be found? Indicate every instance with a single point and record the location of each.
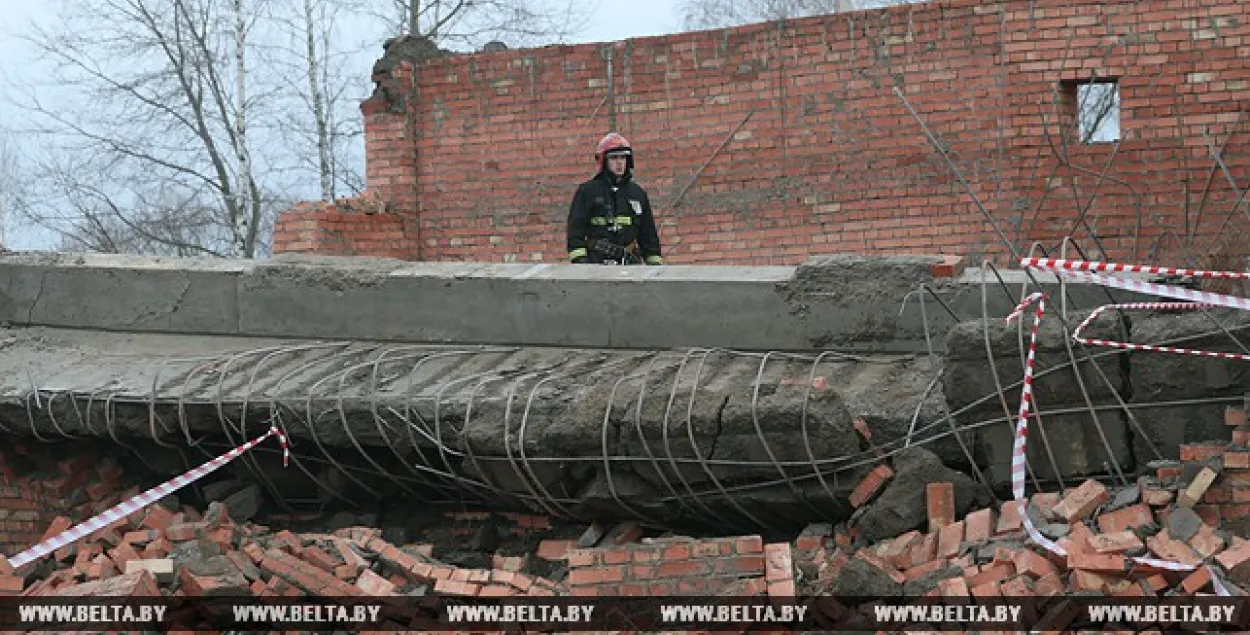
(1080, 269)
(141, 501)
(1162, 306)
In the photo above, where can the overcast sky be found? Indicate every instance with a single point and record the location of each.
(612, 20)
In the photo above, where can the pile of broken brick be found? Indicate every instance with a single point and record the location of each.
(1189, 512)
(1182, 512)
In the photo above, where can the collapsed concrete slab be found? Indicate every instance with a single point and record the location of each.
(568, 390)
(668, 436)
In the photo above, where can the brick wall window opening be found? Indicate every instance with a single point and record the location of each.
(1097, 109)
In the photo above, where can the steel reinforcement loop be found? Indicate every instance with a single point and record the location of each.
(335, 377)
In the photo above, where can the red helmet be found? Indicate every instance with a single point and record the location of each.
(613, 143)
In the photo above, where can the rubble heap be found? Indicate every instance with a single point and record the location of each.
(1191, 512)
(920, 530)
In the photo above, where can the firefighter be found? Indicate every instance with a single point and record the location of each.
(610, 220)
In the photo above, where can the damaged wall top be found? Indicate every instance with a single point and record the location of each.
(766, 143)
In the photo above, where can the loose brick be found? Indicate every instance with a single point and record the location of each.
(949, 539)
(1118, 542)
(1157, 497)
(924, 550)
(1082, 500)
(1198, 580)
(622, 533)
(994, 573)
(954, 588)
(183, 532)
(923, 569)
(516, 563)
(779, 565)
(987, 590)
(1049, 586)
(979, 525)
(319, 558)
(141, 537)
(59, 525)
(1155, 583)
(196, 585)
(352, 560)
(136, 584)
(288, 541)
(1168, 548)
(1234, 416)
(1193, 493)
(940, 500)
(870, 485)
(305, 576)
(1124, 519)
(371, 583)
(1234, 556)
(1029, 563)
(896, 575)
(1200, 451)
(1009, 519)
(1100, 562)
(123, 553)
(1206, 542)
(554, 549)
(899, 549)
(1085, 580)
(813, 537)
(11, 585)
(157, 517)
(1015, 587)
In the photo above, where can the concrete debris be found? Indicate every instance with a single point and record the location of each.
(987, 554)
(948, 544)
(902, 505)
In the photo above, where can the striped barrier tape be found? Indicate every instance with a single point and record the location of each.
(1081, 269)
(143, 500)
(1163, 306)
(1059, 264)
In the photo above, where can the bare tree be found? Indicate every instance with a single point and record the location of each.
(8, 187)
(185, 126)
(153, 95)
(468, 24)
(1098, 112)
(321, 117)
(715, 14)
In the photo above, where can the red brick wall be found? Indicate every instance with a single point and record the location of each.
(807, 148)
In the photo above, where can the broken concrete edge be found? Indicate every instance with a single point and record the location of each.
(839, 301)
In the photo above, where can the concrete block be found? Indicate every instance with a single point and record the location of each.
(1074, 442)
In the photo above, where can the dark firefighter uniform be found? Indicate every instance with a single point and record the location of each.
(610, 219)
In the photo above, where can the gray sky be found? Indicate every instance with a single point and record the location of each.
(611, 20)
